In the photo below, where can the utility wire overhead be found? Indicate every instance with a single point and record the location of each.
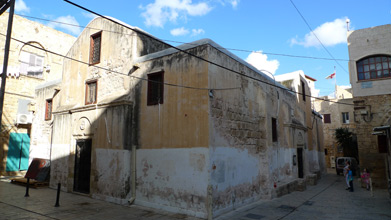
(312, 31)
(169, 84)
(179, 42)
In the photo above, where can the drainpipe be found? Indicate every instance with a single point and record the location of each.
(131, 200)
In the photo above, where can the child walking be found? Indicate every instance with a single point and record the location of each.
(365, 178)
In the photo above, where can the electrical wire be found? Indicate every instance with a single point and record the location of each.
(106, 69)
(305, 21)
(179, 42)
(198, 57)
(170, 84)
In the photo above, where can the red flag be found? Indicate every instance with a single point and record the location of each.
(331, 76)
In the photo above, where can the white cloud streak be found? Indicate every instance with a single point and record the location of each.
(21, 7)
(261, 62)
(75, 30)
(161, 11)
(196, 32)
(329, 33)
(179, 31)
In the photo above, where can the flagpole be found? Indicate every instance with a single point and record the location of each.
(335, 83)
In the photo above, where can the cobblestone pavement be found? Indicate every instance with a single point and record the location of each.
(327, 200)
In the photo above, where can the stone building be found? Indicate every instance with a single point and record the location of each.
(138, 121)
(28, 67)
(337, 112)
(370, 69)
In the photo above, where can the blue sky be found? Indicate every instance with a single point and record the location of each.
(258, 31)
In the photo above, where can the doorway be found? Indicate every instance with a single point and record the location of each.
(82, 166)
(300, 162)
(18, 152)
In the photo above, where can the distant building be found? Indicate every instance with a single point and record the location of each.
(370, 77)
(335, 115)
(28, 67)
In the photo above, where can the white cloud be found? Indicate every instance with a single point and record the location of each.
(21, 7)
(259, 61)
(196, 32)
(329, 33)
(179, 31)
(234, 3)
(89, 15)
(161, 11)
(183, 31)
(75, 30)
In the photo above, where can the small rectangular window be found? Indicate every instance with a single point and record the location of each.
(155, 88)
(327, 118)
(95, 48)
(274, 129)
(345, 117)
(48, 109)
(303, 90)
(91, 92)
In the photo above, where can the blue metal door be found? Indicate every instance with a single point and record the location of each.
(18, 152)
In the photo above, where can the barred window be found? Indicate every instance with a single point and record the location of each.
(155, 88)
(96, 40)
(91, 92)
(374, 67)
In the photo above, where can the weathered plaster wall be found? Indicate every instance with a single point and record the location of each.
(173, 179)
(245, 162)
(41, 133)
(22, 86)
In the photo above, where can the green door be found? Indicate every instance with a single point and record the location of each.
(18, 152)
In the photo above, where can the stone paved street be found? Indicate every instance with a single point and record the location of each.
(327, 200)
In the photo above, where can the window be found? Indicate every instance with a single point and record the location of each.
(48, 109)
(382, 143)
(327, 118)
(303, 90)
(96, 40)
(374, 67)
(274, 129)
(345, 117)
(155, 88)
(91, 92)
(31, 64)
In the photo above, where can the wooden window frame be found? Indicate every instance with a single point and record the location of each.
(88, 83)
(345, 120)
(327, 118)
(363, 68)
(274, 130)
(48, 109)
(153, 81)
(92, 47)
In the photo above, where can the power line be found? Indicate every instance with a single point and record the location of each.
(198, 57)
(317, 36)
(106, 69)
(170, 84)
(179, 42)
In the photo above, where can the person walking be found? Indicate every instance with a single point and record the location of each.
(350, 177)
(365, 177)
(346, 172)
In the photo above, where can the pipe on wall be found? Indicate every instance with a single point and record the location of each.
(133, 198)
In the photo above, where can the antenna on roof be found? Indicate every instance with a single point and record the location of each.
(347, 23)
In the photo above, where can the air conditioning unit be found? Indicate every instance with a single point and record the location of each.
(24, 119)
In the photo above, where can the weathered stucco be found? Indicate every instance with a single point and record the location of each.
(205, 150)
